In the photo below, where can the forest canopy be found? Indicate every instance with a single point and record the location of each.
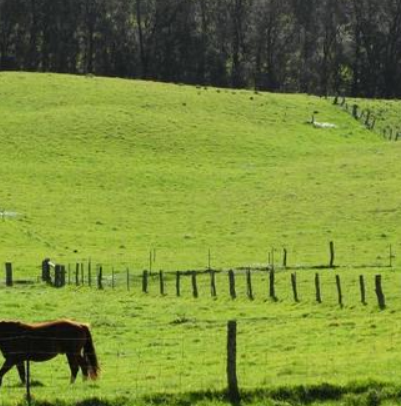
(348, 47)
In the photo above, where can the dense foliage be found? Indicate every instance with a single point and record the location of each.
(319, 46)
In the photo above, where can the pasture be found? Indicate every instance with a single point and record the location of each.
(172, 350)
(111, 170)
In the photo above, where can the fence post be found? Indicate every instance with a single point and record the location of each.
(317, 287)
(161, 280)
(272, 289)
(285, 253)
(145, 282)
(82, 274)
(363, 289)
(294, 286)
(90, 273)
(46, 270)
(100, 278)
(77, 274)
(194, 285)
(379, 292)
(213, 283)
(128, 279)
(9, 274)
(28, 383)
(232, 381)
(231, 281)
(332, 254)
(178, 283)
(249, 291)
(57, 276)
(62, 276)
(69, 274)
(339, 291)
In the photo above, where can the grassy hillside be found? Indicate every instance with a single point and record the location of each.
(171, 351)
(387, 112)
(108, 169)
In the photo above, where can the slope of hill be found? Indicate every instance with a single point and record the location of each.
(109, 168)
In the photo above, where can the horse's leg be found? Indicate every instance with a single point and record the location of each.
(21, 372)
(8, 364)
(84, 366)
(74, 366)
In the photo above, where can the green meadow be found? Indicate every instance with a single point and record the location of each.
(110, 169)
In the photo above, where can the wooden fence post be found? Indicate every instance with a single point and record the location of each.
(231, 281)
(232, 381)
(28, 383)
(145, 282)
(317, 287)
(339, 291)
(90, 273)
(128, 279)
(100, 278)
(57, 276)
(63, 276)
(77, 274)
(213, 283)
(82, 274)
(161, 281)
(178, 283)
(249, 291)
(9, 274)
(46, 270)
(272, 288)
(69, 274)
(332, 254)
(294, 286)
(285, 253)
(194, 285)
(379, 292)
(363, 289)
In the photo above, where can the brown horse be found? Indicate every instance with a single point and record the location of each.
(20, 342)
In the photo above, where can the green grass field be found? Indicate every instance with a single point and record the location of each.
(110, 169)
(171, 350)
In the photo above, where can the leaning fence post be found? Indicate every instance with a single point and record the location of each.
(178, 283)
(249, 291)
(379, 292)
(339, 291)
(317, 287)
(100, 278)
(213, 283)
(363, 290)
(232, 381)
(9, 274)
(294, 286)
(231, 280)
(194, 285)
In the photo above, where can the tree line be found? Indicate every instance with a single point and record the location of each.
(348, 47)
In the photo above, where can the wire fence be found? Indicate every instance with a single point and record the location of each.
(194, 359)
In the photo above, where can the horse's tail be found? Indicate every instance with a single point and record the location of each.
(90, 355)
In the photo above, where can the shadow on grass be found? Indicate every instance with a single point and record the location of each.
(368, 393)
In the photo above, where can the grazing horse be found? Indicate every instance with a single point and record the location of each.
(20, 342)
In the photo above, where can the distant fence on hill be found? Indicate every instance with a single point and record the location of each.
(368, 119)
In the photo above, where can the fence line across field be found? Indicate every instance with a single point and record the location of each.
(234, 369)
